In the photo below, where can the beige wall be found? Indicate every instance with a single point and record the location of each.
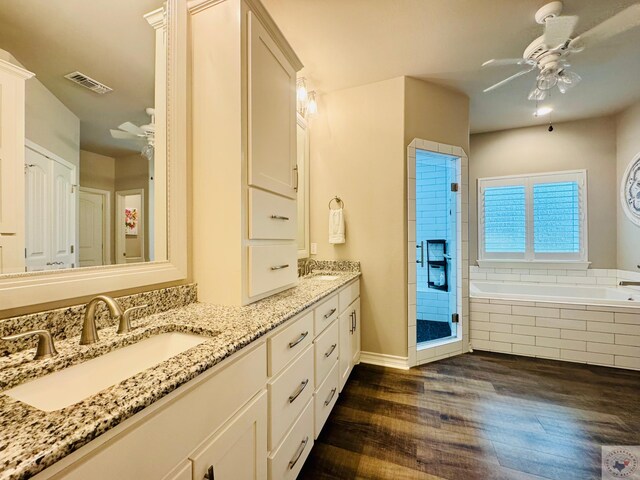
(628, 146)
(584, 144)
(48, 122)
(435, 113)
(358, 152)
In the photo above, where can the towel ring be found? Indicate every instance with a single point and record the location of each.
(338, 200)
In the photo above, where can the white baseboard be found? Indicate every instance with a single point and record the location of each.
(391, 361)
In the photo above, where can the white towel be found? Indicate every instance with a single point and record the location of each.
(336, 226)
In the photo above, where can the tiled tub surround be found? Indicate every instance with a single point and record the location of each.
(32, 440)
(598, 331)
(591, 276)
(66, 322)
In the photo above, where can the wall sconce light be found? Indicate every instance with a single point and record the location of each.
(312, 105)
(307, 104)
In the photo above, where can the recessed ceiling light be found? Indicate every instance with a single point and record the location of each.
(542, 111)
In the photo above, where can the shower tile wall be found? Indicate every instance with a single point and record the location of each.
(433, 193)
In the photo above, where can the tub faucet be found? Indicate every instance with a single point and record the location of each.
(89, 331)
(625, 283)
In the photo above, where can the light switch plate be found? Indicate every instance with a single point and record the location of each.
(314, 248)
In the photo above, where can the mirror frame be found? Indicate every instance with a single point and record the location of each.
(32, 288)
(302, 123)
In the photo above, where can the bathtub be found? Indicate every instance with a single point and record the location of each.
(571, 294)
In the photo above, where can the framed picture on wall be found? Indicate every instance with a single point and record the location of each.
(131, 221)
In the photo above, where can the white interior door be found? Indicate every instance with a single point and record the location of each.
(38, 172)
(92, 210)
(63, 216)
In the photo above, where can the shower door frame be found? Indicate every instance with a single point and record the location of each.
(458, 344)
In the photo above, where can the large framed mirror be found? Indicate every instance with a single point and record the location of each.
(93, 147)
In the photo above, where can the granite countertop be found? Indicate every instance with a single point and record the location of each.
(32, 440)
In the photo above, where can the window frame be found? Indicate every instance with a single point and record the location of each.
(528, 181)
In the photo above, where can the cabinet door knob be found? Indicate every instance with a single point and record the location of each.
(298, 453)
(210, 475)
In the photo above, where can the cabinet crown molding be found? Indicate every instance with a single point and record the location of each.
(15, 70)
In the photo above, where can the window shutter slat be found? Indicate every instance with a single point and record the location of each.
(556, 217)
(504, 219)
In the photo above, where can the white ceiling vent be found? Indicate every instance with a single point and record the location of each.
(88, 82)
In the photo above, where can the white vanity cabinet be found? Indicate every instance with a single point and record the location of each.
(350, 322)
(254, 416)
(244, 152)
(12, 138)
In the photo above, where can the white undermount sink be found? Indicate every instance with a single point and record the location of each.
(73, 384)
(326, 278)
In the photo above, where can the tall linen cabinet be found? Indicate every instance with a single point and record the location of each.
(243, 112)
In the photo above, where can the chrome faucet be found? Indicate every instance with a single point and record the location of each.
(46, 348)
(308, 266)
(89, 331)
(625, 283)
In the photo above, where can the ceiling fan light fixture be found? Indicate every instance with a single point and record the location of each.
(547, 81)
(537, 94)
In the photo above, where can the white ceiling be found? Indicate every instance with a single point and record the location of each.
(109, 40)
(345, 43)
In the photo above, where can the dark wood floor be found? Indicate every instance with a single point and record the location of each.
(477, 416)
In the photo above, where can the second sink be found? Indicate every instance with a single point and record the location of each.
(73, 384)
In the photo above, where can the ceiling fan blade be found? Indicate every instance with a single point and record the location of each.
(508, 79)
(119, 134)
(621, 22)
(506, 61)
(558, 30)
(131, 128)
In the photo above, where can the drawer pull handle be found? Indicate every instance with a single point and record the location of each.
(279, 217)
(298, 454)
(298, 391)
(280, 267)
(351, 326)
(330, 397)
(299, 339)
(210, 475)
(333, 347)
(331, 312)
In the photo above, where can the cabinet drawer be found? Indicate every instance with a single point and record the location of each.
(271, 216)
(348, 294)
(325, 398)
(286, 462)
(272, 267)
(326, 313)
(238, 449)
(326, 352)
(284, 346)
(288, 394)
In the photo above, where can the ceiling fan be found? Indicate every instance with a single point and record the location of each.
(131, 131)
(549, 53)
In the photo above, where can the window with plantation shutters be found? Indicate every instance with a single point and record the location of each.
(533, 217)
